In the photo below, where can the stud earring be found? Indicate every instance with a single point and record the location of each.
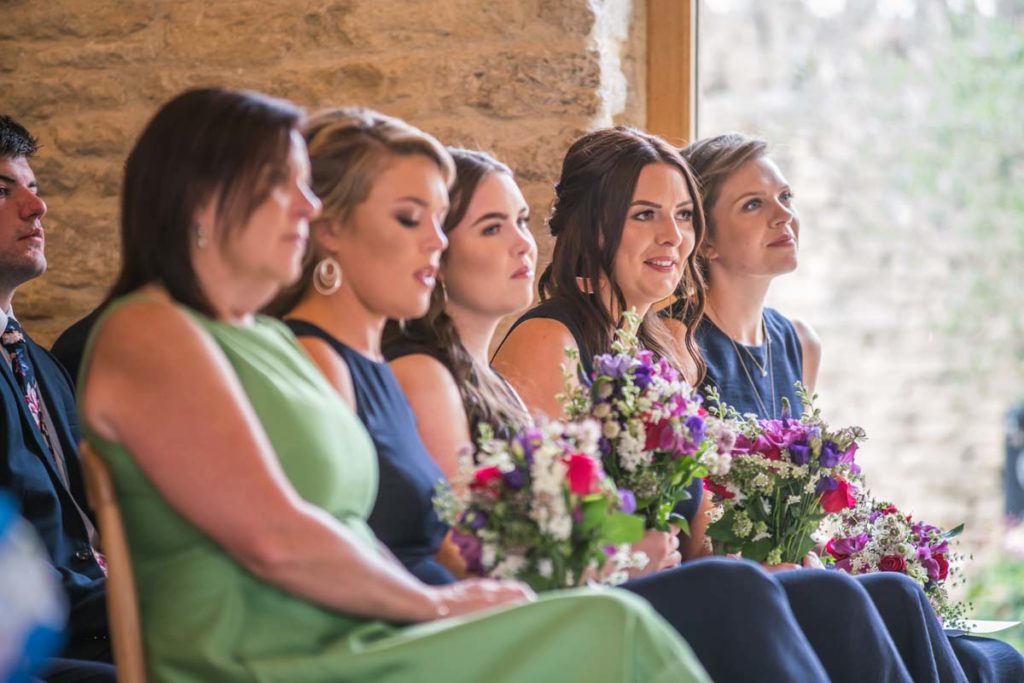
(201, 240)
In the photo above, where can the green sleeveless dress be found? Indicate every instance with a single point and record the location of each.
(206, 618)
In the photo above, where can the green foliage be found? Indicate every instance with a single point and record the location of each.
(998, 593)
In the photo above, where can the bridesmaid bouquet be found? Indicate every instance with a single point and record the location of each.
(655, 436)
(539, 508)
(875, 536)
(786, 477)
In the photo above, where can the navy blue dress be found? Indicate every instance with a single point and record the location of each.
(928, 654)
(403, 517)
(734, 371)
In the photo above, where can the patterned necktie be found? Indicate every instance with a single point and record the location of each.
(13, 339)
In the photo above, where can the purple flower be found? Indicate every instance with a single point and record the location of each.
(471, 551)
(695, 425)
(530, 439)
(799, 453)
(642, 376)
(477, 519)
(826, 483)
(829, 454)
(627, 501)
(612, 366)
(604, 444)
(515, 479)
(666, 371)
(930, 565)
(577, 514)
(851, 545)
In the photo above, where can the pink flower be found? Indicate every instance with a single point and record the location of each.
(584, 474)
(486, 478)
(839, 498)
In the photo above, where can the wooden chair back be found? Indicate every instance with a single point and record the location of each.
(122, 606)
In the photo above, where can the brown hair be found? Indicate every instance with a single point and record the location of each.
(348, 149)
(212, 144)
(592, 198)
(713, 160)
(485, 399)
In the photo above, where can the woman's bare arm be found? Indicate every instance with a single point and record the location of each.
(436, 401)
(810, 346)
(160, 386)
(531, 359)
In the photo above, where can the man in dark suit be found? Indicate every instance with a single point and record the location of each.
(38, 426)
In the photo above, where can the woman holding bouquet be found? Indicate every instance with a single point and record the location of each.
(441, 359)
(245, 482)
(755, 356)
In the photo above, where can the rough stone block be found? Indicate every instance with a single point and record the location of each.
(27, 20)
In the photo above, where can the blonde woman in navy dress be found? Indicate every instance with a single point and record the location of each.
(755, 355)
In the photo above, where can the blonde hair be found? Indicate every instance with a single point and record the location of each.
(348, 149)
(713, 161)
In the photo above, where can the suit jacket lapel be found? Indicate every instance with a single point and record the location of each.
(28, 423)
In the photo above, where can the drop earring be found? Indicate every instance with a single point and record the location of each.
(327, 276)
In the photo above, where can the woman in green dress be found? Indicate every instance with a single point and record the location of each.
(246, 521)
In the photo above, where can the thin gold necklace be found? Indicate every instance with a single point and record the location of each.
(769, 372)
(753, 359)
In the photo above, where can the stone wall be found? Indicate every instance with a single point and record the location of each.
(520, 79)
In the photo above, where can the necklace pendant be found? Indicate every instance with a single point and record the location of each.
(764, 373)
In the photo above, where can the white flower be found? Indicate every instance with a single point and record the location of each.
(631, 451)
(741, 525)
(510, 567)
(602, 410)
(611, 429)
(718, 464)
(545, 567)
(488, 554)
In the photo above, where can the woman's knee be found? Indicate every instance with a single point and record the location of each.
(891, 586)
